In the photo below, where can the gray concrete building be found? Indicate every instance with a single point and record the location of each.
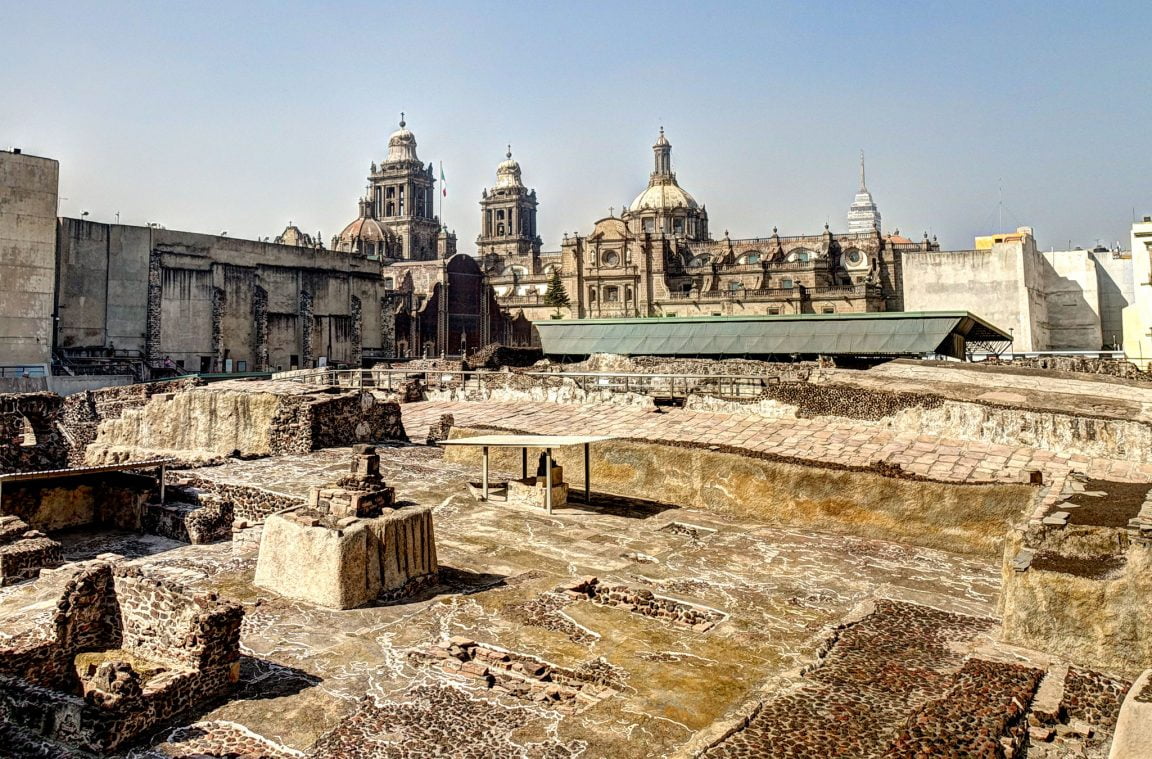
(29, 190)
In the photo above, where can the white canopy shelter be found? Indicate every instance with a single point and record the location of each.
(524, 442)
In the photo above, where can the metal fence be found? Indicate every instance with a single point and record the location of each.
(661, 386)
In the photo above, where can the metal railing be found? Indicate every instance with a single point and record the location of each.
(663, 386)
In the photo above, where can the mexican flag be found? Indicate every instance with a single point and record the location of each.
(443, 182)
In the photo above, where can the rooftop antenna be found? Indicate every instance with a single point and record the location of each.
(1000, 227)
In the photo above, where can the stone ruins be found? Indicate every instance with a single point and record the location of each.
(349, 546)
(917, 559)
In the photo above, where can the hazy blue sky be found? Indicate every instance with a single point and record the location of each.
(241, 116)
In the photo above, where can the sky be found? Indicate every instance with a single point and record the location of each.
(244, 116)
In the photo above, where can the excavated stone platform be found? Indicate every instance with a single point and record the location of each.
(326, 683)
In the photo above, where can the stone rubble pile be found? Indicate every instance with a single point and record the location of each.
(642, 601)
(509, 673)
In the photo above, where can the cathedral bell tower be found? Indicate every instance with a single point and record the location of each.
(508, 221)
(402, 194)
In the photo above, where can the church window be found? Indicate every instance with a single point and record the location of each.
(735, 286)
(591, 294)
(610, 258)
(401, 204)
(752, 258)
(389, 283)
(853, 257)
(802, 256)
(786, 284)
(391, 193)
(500, 229)
(699, 261)
(628, 294)
(500, 214)
(678, 226)
(611, 294)
(390, 209)
(649, 225)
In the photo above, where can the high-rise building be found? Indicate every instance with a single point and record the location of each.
(863, 216)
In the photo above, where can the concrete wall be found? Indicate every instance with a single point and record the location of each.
(1057, 300)
(209, 305)
(1000, 285)
(1117, 291)
(1138, 316)
(1072, 295)
(29, 189)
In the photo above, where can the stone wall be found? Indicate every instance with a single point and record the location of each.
(37, 414)
(247, 419)
(249, 503)
(153, 652)
(84, 411)
(1076, 578)
(114, 500)
(967, 519)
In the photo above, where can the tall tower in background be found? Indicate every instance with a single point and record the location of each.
(863, 216)
(402, 191)
(508, 220)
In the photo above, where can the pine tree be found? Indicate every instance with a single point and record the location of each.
(556, 296)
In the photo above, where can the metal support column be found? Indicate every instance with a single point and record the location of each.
(548, 479)
(484, 483)
(587, 477)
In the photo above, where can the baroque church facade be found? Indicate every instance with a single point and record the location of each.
(659, 258)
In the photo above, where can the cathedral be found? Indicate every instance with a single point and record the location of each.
(658, 258)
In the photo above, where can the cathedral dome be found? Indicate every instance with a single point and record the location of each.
(508, 172)
(662, 197)
(366, 235)
(402, 144)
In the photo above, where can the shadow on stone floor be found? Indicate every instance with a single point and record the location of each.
(465, 582)
(260, 678)
(618, 505)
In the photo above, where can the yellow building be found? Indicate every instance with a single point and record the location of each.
(985, 242)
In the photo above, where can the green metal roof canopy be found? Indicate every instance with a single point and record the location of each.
(881, 334)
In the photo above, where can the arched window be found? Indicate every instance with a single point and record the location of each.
(801, 256)
(752, 257)
(699, 261)
(611, 294)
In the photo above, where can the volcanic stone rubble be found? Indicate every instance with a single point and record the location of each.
(24, 552)
(510, 673)
(889, 687)
(120, 654)
(643, 601)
